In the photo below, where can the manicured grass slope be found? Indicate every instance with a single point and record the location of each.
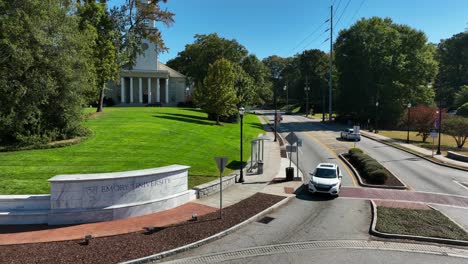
(131, 139)
(430, 223)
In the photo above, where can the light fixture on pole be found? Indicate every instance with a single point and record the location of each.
(285, 88)
(241, 114)
(409, 111)
(187, 93)
(376, 116)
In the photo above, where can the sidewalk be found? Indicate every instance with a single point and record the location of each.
(270, 181)
(422, 151)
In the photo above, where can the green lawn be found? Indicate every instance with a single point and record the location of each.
(446, 143)
(430, 223)
(133, 138)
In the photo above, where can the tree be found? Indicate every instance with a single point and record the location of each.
(261, 79)
(421, 119)
(463, 110)
(314, 68)
(461, 97)
(95, 17)
(380, 61)
(195, 59)
(217, 95)
(129, 19)
(46, 70)
(457, 127)
(452, 55)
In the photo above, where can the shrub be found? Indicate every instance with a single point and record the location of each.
(371, 170)
(463, 110)
(378, 177)
(355, 150)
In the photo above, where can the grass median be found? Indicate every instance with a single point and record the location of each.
(132, 138)
(428, 223)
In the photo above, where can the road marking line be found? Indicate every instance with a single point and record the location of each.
(334, 154)
(459, 183)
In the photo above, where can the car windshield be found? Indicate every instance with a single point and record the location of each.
(325, 173)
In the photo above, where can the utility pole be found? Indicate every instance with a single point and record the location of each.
(307, 89)
(331, 60)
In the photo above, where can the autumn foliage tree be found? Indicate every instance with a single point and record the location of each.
(421, 119)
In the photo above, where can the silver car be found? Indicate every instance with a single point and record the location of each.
(349, 134)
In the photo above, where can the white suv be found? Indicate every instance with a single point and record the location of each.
(326, 179)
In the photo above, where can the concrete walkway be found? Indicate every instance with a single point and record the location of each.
(425, 152)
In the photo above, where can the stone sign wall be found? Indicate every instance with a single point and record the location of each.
(84, 198)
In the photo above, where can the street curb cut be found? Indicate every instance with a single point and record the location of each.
(219, 235)
(362, 183)
(374, 232)
(414, 153)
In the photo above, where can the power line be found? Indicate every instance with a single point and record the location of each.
(308, 36)
(337, 7)
(344, 10)
(317, 38)
(355, 13)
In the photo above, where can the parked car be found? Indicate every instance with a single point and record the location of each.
(349, 134)
(326, 178)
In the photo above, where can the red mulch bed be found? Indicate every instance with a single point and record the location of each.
(136, 245)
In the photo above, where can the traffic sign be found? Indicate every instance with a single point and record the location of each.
(434, 133)
(221, 162)
(291, 138)
(356, 129)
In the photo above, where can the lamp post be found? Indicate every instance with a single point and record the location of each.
(376, 115)
(307, 89)
(285, 88)
(241, 114)
(439, 127)
(409, 110)
(275, 118)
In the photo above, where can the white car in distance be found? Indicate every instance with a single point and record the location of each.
(326, 179)
(350, 135)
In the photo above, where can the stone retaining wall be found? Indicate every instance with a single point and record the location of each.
(212, 187)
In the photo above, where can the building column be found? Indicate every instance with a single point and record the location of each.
(167, 90)
(131, 89)
(140, 90)
(158, 94)
(122, 90)
(149, 90)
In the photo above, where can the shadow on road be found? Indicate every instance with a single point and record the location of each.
(303, 194)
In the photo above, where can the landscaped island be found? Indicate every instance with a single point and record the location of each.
(131, 139)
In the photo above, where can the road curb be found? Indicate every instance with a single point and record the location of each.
(362, 183)
(219, 235)
(374, 232)
(414, 153)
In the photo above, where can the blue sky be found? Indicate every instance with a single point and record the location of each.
(274, 27)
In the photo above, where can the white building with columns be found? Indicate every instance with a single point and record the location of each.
(149, 82)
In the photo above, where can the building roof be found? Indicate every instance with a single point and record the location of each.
(172, 73)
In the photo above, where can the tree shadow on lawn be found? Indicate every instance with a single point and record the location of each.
(235, 165)
(192, 119)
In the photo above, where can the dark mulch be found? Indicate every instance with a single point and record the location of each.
(136, 245)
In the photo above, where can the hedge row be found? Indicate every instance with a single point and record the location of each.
(371, 170)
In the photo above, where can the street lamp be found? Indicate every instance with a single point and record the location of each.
(241, 114)
(187, 94)
(409, 110)
(285, 88)
(439, 127)
(275, 118)
(376, 114)
(307, 89)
